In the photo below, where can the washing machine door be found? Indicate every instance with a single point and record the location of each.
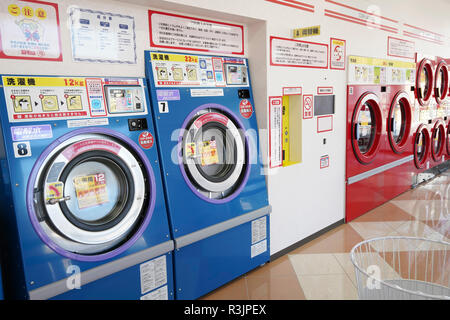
(399, 122)
(421, 147)
(424, 82)
(441, 82)
(448, 138)
(366, 128)
(438, 140)
(90, 195)
(214, 154)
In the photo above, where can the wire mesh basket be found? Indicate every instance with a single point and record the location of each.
(402, 268)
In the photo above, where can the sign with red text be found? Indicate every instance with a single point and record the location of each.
(275, 134)
(29, 30)
(308, 106)
(337, 54)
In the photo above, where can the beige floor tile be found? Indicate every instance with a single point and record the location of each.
(369, 230)
(328, 287)
(315, 264)
(275, 288)
(346, 263)
(424, 209)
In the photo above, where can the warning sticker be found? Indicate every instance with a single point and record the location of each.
(91, 190)
(209, 153)
(153, 274)
(245, 108)
(146, 140)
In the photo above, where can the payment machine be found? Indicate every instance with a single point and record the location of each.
(215, 187)
(83, 213)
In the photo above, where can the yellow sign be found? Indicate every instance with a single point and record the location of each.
(42, 82)
(381, 62)
(28, 12)
(54, 190)
(209, 153)
(91, 190)
(174, 57)
(306, 32)
(41, 14)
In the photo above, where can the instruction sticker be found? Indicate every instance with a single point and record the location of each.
(159, 294)
(153, 274)
(337, 54)
(259, 229)
(308, 104)
(275, 136)
(258, 248)
(90, 190)
(54, 190)
(209, 153)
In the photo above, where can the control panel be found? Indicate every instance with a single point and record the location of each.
(30, 99)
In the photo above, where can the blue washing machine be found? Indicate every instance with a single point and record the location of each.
(215, 187)
(83, 211)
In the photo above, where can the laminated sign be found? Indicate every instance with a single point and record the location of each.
(209, 153)
(29, 30)
(91, 190)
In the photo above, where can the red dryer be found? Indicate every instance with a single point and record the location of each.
(398, 152)
(366, 136)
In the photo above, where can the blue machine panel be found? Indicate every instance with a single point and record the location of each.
(96, 134)
(207, 136)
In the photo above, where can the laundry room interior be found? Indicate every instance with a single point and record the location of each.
(223, 150)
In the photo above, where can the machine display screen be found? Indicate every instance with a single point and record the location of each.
(236, 74)
(323, 105)
(124, 99)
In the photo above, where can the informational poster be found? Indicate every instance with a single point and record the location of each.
(401, 48)
(102, 36)
(29, 30)
(181, 32)
(275, 134)
(91, 190)
(296, 53)
(337, 54)
(366, 70)
(324, 123)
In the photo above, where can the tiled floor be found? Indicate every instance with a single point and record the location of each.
(321, 269)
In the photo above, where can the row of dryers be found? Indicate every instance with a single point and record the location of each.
(395, 132)
(131, 188)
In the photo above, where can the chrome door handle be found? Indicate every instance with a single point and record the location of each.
(55, 201)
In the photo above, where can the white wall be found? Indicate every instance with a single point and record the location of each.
(305, 199)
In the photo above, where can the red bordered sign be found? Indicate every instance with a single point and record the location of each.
(275, 132)
(297, 53)
(308, 106)
(338, 53)
(222, 37)
(30, 29)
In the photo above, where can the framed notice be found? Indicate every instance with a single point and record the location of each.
(175, 31)
(400, 48)
(102, 37)
(29, 29)
(275, 132)
(296, 53)
(337, 54)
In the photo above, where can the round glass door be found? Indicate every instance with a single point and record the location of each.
(424, 82)
(441, 82)
(438, 140)
(366, 128)
(421, 147)
(90, 195)
(214, 154)
(399, 122)
(448, 138)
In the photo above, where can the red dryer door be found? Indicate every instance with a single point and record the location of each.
(421, 146)
(438, 140)
(366, 128)
(448, 138)
(424, 82)
(441, 82)
(399, 122)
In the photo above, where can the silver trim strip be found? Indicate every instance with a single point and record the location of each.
(220, 227)
(60, 287)
(380, 169)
